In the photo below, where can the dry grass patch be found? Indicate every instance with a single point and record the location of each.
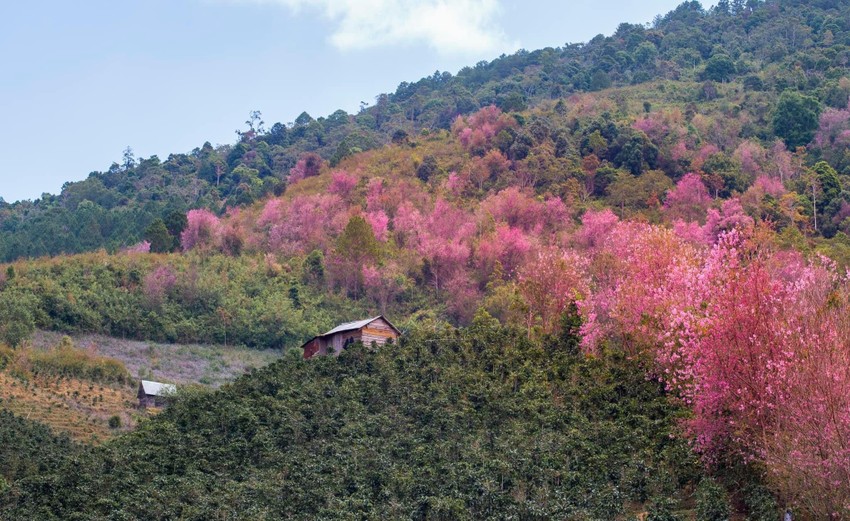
(211, 365)
(78, 407)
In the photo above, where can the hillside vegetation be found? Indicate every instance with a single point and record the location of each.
(75, 392)
(472, 424)
(87, 390)
(679, 194)
(765, 48)
(28, 448)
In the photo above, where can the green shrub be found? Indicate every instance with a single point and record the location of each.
(28, 449)
(17, 321)
(760, 503)
(712, 501)
(68, 361)
(6, 355)
(661, 509)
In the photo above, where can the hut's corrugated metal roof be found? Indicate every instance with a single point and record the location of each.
(351, 326)
(157, 389)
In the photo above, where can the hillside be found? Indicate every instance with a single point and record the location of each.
(765, 48)
(78, 408)
(467, 424)
(620, 267)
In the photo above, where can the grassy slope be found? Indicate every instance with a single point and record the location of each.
(211, 365)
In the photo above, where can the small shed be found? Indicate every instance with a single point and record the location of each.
(154, 394)
(376, 329)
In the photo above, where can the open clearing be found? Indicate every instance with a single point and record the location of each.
(211, 365)
(83, 408)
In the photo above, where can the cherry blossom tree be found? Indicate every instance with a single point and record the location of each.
(515, 208)
(309, 165)
(303, 224)
(454, 184)
(548, 283)
(157, 284)
(730, 216)
(764, 186)
(689, 231)
(752, 158)
(375, 194)
(443, 241)
(754, 341)
(476, 131)
(342, 184)
(762, 360)
(784, 164)
(689, 200)
(408, 222)
(378, 220)
(203, 230)
(507, 245)
(596, 226)
(832, 138)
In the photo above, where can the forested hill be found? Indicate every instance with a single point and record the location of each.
(764, 47)
(621, 268)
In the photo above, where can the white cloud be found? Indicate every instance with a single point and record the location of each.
(449, 26)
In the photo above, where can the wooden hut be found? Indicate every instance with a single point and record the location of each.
(377, 329)
(154, 394)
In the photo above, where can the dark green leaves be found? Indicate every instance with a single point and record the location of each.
(795, 118)
(461, 424)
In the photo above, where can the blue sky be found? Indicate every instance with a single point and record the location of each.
(83, 80)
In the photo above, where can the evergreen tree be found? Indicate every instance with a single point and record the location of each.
(157, 234)
(795, 118)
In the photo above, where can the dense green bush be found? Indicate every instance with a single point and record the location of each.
(457, 424)
(760, 503)
(16, 317)
(662, 509)
(712, 501)
(29, 449)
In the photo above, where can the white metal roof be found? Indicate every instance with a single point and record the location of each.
(157, 389)
(350, 326)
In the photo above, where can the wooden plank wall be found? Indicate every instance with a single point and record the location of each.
(379, 332)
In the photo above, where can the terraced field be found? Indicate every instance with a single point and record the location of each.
(83, 408)
(78, 407)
